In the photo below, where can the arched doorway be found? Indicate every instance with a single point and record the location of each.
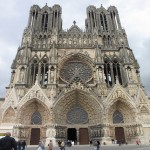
(72, 134)
(120, 113)
(83, 136)
(35, 136)
(119, 134)
(35, 115)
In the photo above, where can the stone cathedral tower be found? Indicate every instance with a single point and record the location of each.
(75, 85)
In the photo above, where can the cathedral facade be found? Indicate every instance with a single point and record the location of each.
(73, 84)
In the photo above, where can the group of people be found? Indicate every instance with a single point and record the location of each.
(21, 145)
(42, 147)
(61, 144)
(96, 144)
(9, 143)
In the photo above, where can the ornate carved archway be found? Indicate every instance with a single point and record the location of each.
(125, 109)
(77, 102)
(29, 108)
(9, 116)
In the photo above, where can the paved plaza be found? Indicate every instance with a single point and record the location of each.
(111, 147)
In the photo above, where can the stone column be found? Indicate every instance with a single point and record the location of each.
(50, 135)
(77, 129)
(39, 73)
(112, 73)
(49, 72)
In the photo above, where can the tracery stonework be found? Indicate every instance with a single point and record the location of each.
(77, 116)
(75, 82)
(75, 69)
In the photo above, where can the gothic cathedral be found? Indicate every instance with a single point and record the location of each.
(73, 84)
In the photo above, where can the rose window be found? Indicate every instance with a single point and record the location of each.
(76, 70)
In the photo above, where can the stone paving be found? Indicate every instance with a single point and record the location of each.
(110, 147)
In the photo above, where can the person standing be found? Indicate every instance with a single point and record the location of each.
(62, 146)
(50, 145)
(112, 141)
(23, 144)
(91, 142)
(41, 146)
(19, 145)
(8, 142)
(98, 145)
(137, 142)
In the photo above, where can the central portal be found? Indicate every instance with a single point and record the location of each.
(72, 135)
(35, 136)
(119, 133)
(84, 136)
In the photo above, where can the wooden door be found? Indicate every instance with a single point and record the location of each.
(83, 136)
(119, 133)
(35, 136)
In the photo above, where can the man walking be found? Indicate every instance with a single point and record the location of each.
(8, 143)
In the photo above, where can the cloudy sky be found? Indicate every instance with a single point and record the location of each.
(134, 15)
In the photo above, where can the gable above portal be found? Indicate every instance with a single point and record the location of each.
(74, 29)
(35, 93)
(119, 93)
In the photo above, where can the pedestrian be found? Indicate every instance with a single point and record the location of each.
(19, 145)
(62, 145)
(23, 144)
(91, 142)
(41, 145)
(112, 140)
(98, 145)
(8, 142)
(137, 142)
(119, 142)
(59, 143)
(72, 142)
(50, 145)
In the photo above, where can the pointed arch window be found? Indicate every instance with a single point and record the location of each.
(107, 73)
(93, 19)
(36, 118)
(112, 72)
(44, 21)
(109, 41)
(39, 71)
(55, 18)
(118, 117)
(33, 18)
(103, 21)
(33, 71)
(114, 20)
(44, 72)
(117, 72)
